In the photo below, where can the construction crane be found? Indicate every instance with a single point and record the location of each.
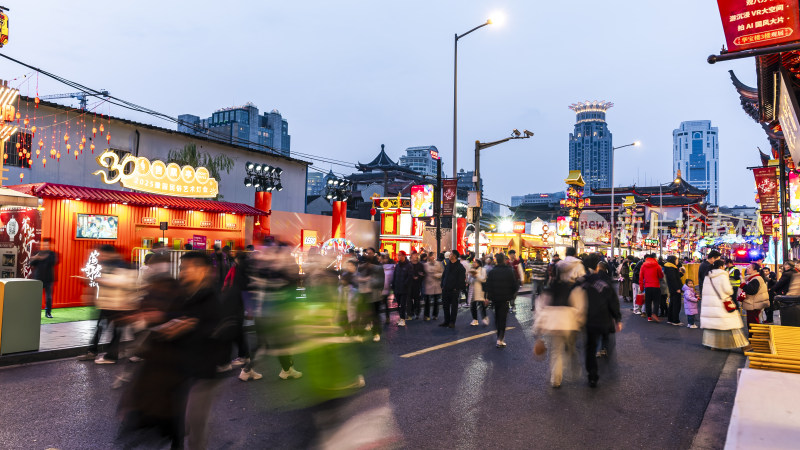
(83, 97)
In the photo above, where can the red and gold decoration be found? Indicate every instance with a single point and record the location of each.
(575, 202)
(399, 231)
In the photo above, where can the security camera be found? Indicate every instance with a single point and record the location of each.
(528, 133)
(516, 132)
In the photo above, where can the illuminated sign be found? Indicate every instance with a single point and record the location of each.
(518, 227)
(3, 29)
(309, 239)
(563, 226)
(422, 200)
(156, 177)
(787, 115)
(758, 23)
(434, 154)
(205, 224)
(179, 222)
(149, 220)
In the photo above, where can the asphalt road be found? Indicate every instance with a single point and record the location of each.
(471, 395)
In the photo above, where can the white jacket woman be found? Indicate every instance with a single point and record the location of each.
(713, 315)
(476, 278)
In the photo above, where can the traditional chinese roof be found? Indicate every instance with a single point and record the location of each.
(679, 187)
(748, 97)
(575, 178)
(382, 162)
(65, 191)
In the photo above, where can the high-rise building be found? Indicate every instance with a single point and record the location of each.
(315, 183)
(590, 146)
(538, 199)
(421, 160)
(695, 153)
(242, 125)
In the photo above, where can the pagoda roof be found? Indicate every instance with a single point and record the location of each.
(575, 178)
(677, 187)
(383, 163)
(748, 96)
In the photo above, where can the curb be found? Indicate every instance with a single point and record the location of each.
(713, 430)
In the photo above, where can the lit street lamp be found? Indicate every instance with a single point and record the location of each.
(634, 144)
(455, 116)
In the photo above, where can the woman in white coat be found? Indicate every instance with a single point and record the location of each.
(721, 329)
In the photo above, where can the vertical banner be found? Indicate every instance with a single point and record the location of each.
(767, 186)
(449, 191)
(766, 224)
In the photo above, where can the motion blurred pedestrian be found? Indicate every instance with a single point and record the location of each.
(538, 278)
(602, 313)
(401, 281)
(433, 285)
(43, 264)
(476, 277)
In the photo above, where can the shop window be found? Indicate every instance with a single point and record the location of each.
(17, 156)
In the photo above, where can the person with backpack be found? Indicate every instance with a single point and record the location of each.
(561, 311)
(602, 313)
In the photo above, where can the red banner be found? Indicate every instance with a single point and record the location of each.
(767, 186)
(766, 224)
(449, 194)
(758, 23)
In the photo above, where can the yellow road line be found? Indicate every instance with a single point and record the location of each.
(450, 344)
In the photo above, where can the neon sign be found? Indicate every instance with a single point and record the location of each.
(156, 177)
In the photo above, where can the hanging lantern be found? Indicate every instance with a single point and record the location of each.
(52, 153)
(18, 146)
(373, 211)
(108, 138)
(101, 129)
(41, 143)
(91, 146)
(37, 153)
(69, 147)
(5, 156)
(83, 140)
(80, 147)
(18, 116)
(33, 129)
(58, 156)
(36, 101)
(44, 162)
(76, 155)
(94, 131)
(30, 162)
(21, 176)
(26, 122)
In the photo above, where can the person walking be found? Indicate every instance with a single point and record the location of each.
(453, 282)
(476, 278)
(415, 284)
(500, 290)
(43, 264)
(602, 314)
(637, 289)
(538, 278)
(735, 276)
(561, 312)
(433, 285)
(722, 329)
(370, 282)
(673, 275)
(519, 275)
(401, 280)
(650, 280)
(388, 275)
(624, 274)
(756, 293)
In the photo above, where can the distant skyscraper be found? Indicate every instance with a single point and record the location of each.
(315, 183)
(421, 160)
(695, 151)
(242, 125)
(538, 199)
(590, 143)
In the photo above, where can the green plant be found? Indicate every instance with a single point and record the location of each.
(190, 156)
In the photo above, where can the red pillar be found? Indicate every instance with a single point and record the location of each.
(264, 203)
(339, 219)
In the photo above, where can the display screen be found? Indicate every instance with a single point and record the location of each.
(794, 191)
(564, 226)
(422, 200)
(97, 226)
(792, 224)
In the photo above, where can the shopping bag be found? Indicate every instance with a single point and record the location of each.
(640, 299)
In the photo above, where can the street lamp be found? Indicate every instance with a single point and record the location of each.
(455, 117)
(634, 144)
(476, 216)
(263, 177)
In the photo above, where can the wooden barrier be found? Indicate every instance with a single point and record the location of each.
(774, 347)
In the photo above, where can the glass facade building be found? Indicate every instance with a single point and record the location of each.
(695, 150)
(421, 160)
(590, 144)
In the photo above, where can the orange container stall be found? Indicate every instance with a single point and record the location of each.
(138, 218)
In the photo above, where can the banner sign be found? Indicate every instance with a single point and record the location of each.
(422, 200)
(518, 227)
(766, 224)
(767, 185)
(156, 177)
(308, 239)
(449, 193)
(787, 115)
(758, 23)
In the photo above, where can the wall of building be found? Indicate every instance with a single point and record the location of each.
(142, 140)
(286, 228)
(695, 151)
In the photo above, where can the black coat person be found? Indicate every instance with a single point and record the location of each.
(501, 288)
(602, 314)
(43, 264)
(454, 279)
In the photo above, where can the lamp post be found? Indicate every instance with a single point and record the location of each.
(476, 216)
(613, 150)
(265, 179)
(455, 118)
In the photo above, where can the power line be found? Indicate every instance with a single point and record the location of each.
(134, 107)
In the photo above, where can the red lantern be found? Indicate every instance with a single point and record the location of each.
(101, 129)
(373, 211)
(58, 156)
(66, 137)
(37, 153)
(36, 101)
(94, 132)
(41, 143)
(33, 129)
(44, 162)
(91, 146)
(26, 122)
(108, 138)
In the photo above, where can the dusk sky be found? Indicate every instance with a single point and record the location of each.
(352, 75)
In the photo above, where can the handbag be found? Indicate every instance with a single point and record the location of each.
(728, 302)
(539, 349)
(640, 299)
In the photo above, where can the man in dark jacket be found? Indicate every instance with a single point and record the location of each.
(501, 288)
(415, 284)
(453, 281)
(674, 284)
(400, 285)
(602, 313)
(43, 264)
(706, 267)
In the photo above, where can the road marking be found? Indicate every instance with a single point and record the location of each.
(450, 344)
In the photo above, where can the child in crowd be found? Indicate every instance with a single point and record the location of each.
(690, 304)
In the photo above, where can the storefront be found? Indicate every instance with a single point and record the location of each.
(78, 219)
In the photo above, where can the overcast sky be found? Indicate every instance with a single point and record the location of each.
(351, 75)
